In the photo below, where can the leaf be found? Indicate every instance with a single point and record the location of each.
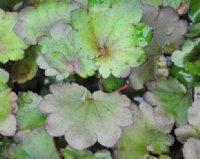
(12, 47)
(194, 13)
(188, 51)
(168, 29)
(5, 4)
(191, 149)
(85, 118)
(4, 143)
(4, 77)
(184, 77)
(57, 56)
(170, 97)
(111, 41)
(155, 65)
(192, 129)
(193, 30)
(111, 83)
(33, 144)
(148, 134)
(155, 3)
(35, 22)
(7, 108)
(25, 69)
(71, 153)
(29, 115)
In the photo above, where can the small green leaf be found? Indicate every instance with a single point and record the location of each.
(85, 118)
(29, 115)
(34, 144)
(194, 11)
(111, 83)
(193, 30)
(7, 108)
(71, 153)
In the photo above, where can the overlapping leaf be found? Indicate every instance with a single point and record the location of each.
(85, 118)
(7, 108)
(191, 149)
(148, 134)
(29, 115)
(170, 97)
(71, 153)
(35, 22)
(35, 144)
(58, 57)
(25, 69)
(102, 35)
(12, 47)
(188, 56)
(193, 128)
(168, 29)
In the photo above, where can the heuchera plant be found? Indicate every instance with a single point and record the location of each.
(99, 79)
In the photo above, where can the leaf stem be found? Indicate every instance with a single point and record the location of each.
(122, 88)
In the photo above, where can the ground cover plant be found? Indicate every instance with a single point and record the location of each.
(99, 79)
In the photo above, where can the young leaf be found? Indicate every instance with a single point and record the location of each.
(170, 97)
(71, 153)
(34, 144)
(12, 47)
(7, 108)
(168, 29)
(194, 13)
(191, 149)
(25, 69)
(58, 57)
(35, 22)
(85, 118)
(29, 115)
(102, 35)
(148, 134)
(188, 50)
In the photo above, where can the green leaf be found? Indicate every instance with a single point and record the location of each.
(58, 57)
(35, 22)
(170, 97)
(71, 153)
(184, 77)
(191, 149)
(168, 29)
(7, 108)
(85, 118)
(111, 83)
(148, 134)
(8, 4)
(194, 11)
(29, 115)
(12, 47)
(35, 144)
(193, 30)
(102, 35)
(25, 69)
